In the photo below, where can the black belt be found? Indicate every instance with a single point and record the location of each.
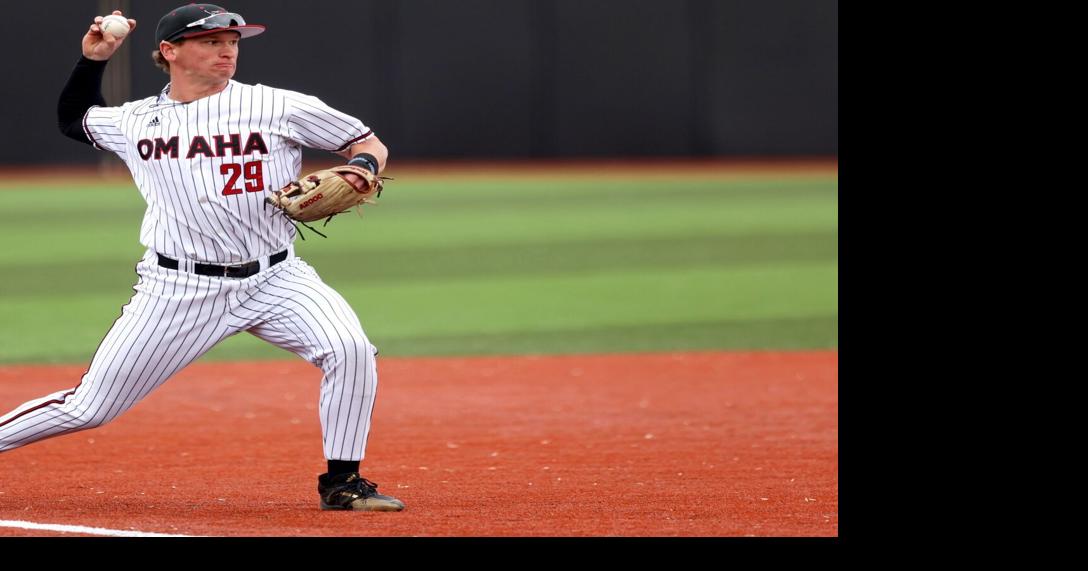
(238, 271)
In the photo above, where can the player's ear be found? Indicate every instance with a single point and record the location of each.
(168, 50)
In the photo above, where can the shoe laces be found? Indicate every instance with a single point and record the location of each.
(364, 486)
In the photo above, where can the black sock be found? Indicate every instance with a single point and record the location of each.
(337, 467)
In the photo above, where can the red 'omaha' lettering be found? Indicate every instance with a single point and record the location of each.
(199, 145)
(166, 147)
(225, 145)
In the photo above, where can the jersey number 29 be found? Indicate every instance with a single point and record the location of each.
(254, 171)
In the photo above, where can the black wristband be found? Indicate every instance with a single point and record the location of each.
(365, 160)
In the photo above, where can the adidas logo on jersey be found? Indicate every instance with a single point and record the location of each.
(154, 122)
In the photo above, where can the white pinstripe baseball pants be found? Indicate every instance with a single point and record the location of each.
(176, 316)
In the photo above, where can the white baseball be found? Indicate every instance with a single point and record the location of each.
(116, 25)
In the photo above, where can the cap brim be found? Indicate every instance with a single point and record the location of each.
(247, 31)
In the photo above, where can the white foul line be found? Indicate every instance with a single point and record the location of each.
(81, 529)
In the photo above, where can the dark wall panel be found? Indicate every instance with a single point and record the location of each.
(493, 78)
(37, 62)
(774, 83)
(466, 77)
(622, 78)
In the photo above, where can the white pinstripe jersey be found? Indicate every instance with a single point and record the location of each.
(205, 167)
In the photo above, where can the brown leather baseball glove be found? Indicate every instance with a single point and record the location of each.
(326, 193)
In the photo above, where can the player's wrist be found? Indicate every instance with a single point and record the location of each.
(92, 61)
(366, 161)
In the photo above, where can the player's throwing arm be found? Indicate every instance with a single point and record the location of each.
(216, 161)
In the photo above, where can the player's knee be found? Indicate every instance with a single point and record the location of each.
(355, 350)
(84, 418)
(362, 349)
(89, 421)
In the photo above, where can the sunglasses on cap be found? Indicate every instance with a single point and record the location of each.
(194, 20)
(221, 20)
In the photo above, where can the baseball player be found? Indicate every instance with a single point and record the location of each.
(205, 153)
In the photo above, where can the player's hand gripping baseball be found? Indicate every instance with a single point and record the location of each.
(99, 45)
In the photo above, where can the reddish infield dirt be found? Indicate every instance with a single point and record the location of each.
(673, 444)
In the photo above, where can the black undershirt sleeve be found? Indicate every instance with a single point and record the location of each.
(83, 90)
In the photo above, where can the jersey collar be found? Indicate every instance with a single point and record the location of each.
(164, 97)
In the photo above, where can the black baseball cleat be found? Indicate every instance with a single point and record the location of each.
(353, 492)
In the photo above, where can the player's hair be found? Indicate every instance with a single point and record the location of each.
(160, 62)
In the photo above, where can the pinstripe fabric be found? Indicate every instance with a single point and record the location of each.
(175, 317)
(188, 215)
(187, 159)
(172, 319)
(295, 310)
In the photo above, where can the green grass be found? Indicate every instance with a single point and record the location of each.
(479, 266)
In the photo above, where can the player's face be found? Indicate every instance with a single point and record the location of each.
(212, 57)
